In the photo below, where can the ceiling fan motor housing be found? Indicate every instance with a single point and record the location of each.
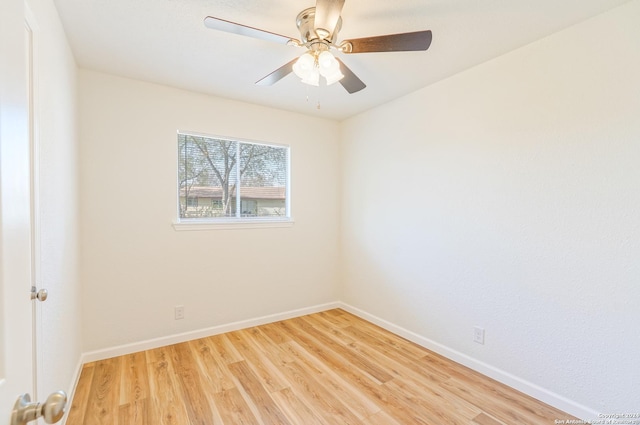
(309, 34)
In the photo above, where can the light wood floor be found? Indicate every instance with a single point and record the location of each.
(325, 368)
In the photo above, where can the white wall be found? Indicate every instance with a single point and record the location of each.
(55, 113)
(508, 197)
(136, 267)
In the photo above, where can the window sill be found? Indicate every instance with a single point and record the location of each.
(231, 224)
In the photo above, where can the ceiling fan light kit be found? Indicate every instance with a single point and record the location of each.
(311, 65)
(319, 27)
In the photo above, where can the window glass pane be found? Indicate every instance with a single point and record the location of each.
(207, 176)
(263, 176)
(213, 172)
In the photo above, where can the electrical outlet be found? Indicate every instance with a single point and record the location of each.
(179, 312)
(478, 335)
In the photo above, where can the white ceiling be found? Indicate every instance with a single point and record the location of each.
(166, 42)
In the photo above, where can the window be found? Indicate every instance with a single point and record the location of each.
(221, 179)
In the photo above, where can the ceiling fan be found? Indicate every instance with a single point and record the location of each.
(319, 27)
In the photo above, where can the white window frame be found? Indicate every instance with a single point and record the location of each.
(213, 223)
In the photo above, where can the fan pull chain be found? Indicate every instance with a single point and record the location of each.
(307, 100)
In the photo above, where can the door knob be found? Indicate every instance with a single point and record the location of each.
(51, 410)
(41, 295)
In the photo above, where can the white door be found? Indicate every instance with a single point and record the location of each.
(16, 375)
(16, 255)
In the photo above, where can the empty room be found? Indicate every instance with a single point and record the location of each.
(322, 212)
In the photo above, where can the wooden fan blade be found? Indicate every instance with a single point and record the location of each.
(327, 15)
(404, 42)
(234, 28)
(278, 74)
(350, 81)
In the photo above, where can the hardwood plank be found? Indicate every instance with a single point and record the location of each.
(397, 363)
(81, 396)
(157, 355)
(366, 384)
(323, 369)
(269, 347)
(266, 408)
(484, 419)
(134, 383)
(273, 333)
(318, 397)
(102, 406)
(383, 337)
(497, 403)
(224, 349)
(216, 376)
(140, 412)
(268, 373)
(296, 409)
(233, 408)
(431, 406)
(335, 317)
(392, 349)
(134, 413)
(353, 399)
(498, 400)
(124, 414)
(424, 387)
(380, 418)
(399, 367)
(188, 377)
(355, 360)
(167, 407)
(329, 328)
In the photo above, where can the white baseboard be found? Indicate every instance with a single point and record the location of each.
(499, 375)
(149, 344)
(529, 388)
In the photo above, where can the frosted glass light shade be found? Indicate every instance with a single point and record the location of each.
(326, 61)
(312, 78)
(304, 65)
(334, 77)
(311, 65)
